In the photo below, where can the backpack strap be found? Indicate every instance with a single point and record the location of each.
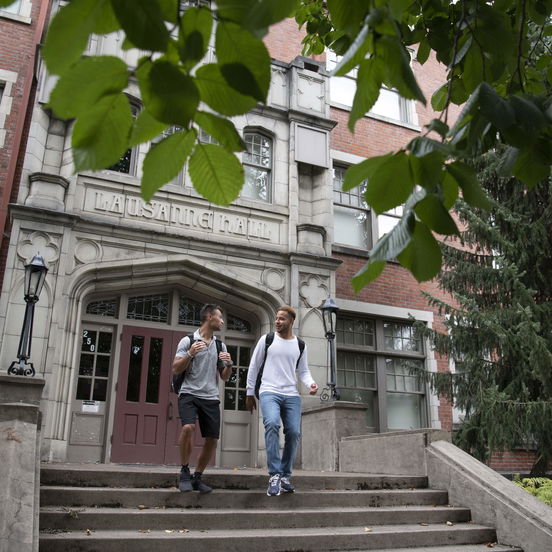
(268, 342)
(177, 379)
(220, 363)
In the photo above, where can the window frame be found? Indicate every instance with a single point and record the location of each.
(380, 354)
(263, 134)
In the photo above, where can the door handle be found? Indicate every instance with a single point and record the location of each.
(170, 411)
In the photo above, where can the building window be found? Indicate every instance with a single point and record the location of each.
(106, 307)
(257, 162)
(352, 220)
(94, 363)
(154, 308)
(189, 312)
(206, 138)
(235, 389)
(15, 7)
(389, 103)
(376, 365)
(127, 161)
(238, 324)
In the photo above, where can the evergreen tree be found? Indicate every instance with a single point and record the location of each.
(499, 277)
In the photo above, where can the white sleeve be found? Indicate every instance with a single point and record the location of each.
(303, 372)
(255, 364)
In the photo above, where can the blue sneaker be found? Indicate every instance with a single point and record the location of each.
(273, 485)
(286, 486)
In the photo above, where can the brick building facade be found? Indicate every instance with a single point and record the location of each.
(126, 278)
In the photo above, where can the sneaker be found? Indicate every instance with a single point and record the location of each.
(198, 485)
(185, 484)
(286, 486)
(273, 485)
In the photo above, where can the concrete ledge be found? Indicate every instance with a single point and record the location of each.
(519, 518)
(393, 453)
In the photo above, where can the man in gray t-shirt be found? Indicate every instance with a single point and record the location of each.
(198, 397)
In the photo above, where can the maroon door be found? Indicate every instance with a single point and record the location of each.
(147, 426)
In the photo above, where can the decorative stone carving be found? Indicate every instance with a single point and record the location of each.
(47, 191)
(87, 251)
(313, 290)
(42, 243)
(274, 279)
(310, 239)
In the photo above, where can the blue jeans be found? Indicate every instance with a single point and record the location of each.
(275, 407)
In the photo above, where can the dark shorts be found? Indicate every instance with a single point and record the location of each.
(207, 412)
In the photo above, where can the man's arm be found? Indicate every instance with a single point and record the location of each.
(226, 372)
(185, 354)
(304, 374)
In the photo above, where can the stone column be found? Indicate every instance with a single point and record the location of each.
(20, 462)
(323, 427)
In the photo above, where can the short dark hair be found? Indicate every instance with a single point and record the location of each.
(208, 309)
(289, 310)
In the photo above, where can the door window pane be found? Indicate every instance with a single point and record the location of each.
(84, 387)
(154, 369)
(235, 387)
(135, 368)
(154, 308)
(94, 365)
(100, 390)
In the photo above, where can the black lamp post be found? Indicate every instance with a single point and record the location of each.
(35, 274)
(329, 315)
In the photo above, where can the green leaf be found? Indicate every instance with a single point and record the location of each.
(424, 50)
(100, 135)
(256, 15)
(165, 160)
(422, 256)
(143, 23)
(367, 274)
(533, 163)
(145, 128)
(495, 108)
(438, 126)
(354, 54)
(195, 32)
(450, 190)
(216, 174)
(427, 170)
(362, 171)
(68, 33)
(169, 9)
(370, 77)
(238, 49)
(421, 145)
(222, 130)
(85, 83)
(466, 178)
(433, 214)
(106, 21)
(392, 243)
(399, 74)
(347, 16)
(439, 98)
(216, 92)
(473, 73)
(170, 95)
(390, 184)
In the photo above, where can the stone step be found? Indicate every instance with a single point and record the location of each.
(268, 540)
(173, 498)
(487, 547)
(94, 475)
(175, 518)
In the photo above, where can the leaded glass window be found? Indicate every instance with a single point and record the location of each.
(154, 308)
(238, 324)
(104, 307)
(401, 337)
(189, 312)
(257, 162)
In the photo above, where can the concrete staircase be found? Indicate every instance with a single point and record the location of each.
(108, 508)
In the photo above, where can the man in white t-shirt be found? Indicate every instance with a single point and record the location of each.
(279, 398)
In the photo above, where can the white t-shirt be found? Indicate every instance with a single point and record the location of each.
(281, 371)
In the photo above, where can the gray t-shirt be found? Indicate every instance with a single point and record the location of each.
(201, 377)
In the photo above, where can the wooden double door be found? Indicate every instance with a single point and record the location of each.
(147, 426)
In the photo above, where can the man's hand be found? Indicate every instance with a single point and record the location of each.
(226, 357)
(313, 389)
(250, 403)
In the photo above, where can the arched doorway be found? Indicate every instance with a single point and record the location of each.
(123, 380)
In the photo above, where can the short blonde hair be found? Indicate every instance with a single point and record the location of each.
(289, 310)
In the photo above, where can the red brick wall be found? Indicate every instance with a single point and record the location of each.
(517, 461)
(18, 46)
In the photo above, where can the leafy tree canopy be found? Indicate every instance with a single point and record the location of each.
(500, 322)
(494, 70)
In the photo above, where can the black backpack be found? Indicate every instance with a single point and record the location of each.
(177, 379)
(268, 342)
